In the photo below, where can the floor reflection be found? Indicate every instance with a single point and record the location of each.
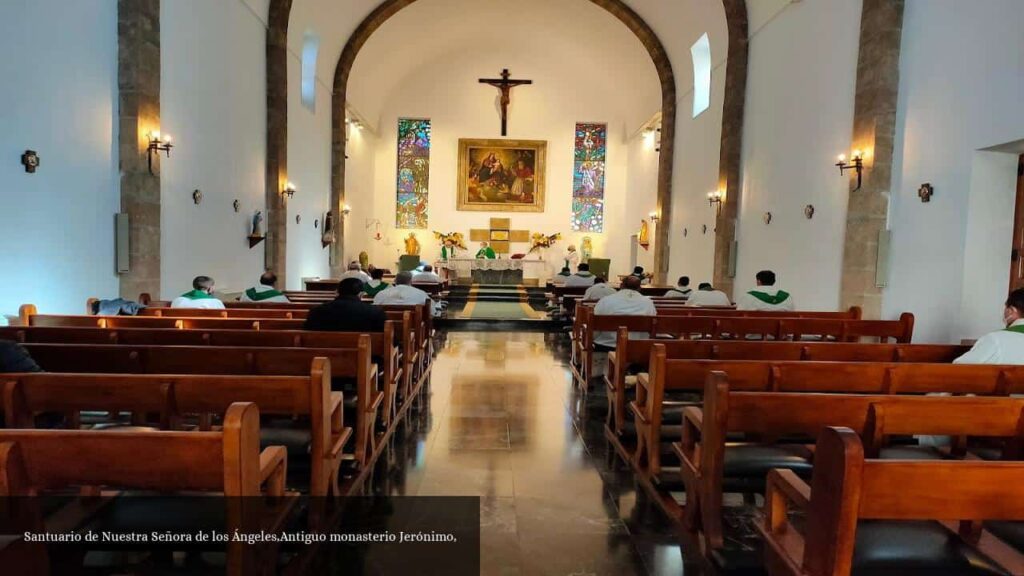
(505, 424)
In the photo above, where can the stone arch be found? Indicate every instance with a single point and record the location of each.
(277, 106)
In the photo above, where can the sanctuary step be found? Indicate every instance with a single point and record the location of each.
(496, 293)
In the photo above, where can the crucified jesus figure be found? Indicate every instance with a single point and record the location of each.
(505, 85)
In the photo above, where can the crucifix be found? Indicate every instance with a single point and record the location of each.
(505, 85)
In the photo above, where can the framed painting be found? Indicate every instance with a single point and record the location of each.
(502, 175)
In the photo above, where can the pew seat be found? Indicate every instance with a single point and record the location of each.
(867, 517)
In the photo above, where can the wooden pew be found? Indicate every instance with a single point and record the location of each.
(737, 328)
(126, 359)
(636, 354)
(26, 395)
(381, 345)
(227, 461)
(705, 460)
(254, 313)
(848, 488)
(800, 376)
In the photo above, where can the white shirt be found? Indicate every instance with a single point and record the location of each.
(708, 298)
(679, 292)
(427, 278)
(400, 294)
(280, 298)
(1000, 347)
(750, 302)
(625, 302)
(356, 274)
(598, 291)
(580, 279)
(201, 303)
(559, 280)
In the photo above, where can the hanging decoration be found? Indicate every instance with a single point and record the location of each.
(413, 173)
(588, 178)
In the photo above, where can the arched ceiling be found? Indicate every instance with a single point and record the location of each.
(677, 23)
(545, 38)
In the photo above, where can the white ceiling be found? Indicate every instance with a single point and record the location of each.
(572, 44)
(442, 26)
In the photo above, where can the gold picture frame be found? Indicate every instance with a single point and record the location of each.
(501, 175)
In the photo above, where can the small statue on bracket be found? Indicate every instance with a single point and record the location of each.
(257, 224)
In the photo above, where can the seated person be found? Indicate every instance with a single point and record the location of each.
(356, 271)
(706, 295)
(201, 296)
(14, 358)
(599, 290)
(638, 272)
(402, 293)
(582, 277)
(560, 278)
(264, 291)
(427, 276)
(346, 313)
(628, 301)
(766, 296)
(486, 251)
(682, 289)
(376, 285)
(1002, 346)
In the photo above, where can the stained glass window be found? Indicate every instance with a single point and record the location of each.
(588, 178)
(413, 173)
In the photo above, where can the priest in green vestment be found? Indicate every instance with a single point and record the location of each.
(265, 291)
(766, 296)
(486, 251)
(201, 295)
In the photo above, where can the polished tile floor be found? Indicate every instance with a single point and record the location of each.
(504, 424)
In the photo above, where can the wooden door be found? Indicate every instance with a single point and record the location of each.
(1017, 255)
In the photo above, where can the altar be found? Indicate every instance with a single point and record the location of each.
(503, 271)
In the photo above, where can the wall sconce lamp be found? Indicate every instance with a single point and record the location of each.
(654, 216)
(855, 163)
(716, 198)
(289, 190)
(158, 143)
(346, 210)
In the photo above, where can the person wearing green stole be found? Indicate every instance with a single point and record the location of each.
(201, 296)
(376, 285)
(766, 296)
(486, 251)
(1002, 346)
(265, 291)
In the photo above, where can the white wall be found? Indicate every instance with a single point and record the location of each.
(798, 117)
(213, 101)
(309, 168)
(989, 237)
(438, 79)
(961, 87)
(544, 112)
(59, 98)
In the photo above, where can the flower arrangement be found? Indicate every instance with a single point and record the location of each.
(456, 238)
(540, 241)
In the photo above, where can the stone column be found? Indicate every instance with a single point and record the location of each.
(276, 244)
(730, 152)
(874, 128)
(138, 81)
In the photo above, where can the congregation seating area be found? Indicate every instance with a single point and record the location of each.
(302, 412)
(810, 443)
